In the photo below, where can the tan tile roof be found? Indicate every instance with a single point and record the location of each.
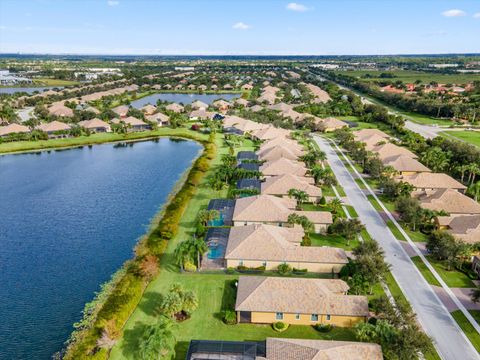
(321, 96)
(241, 101)
(450, 201)
(432, 181)
(362, 135)
(249, 126)
(149, 109)
(280, 184)
(388, 150)
(291, 144)
(300, 349)
(201, 114)
(133, 121)
(331, 123)
(59, 109)
(121, 110)
(374, 140)
(256, 108)
(405, 163)
(53, 126)
(463, 227)
(266, 208)
(158, 117)
(283, 166)
(294, 295)
(278, 152)
(13, 128)
(94, 124)
(275, 243)
(220, 103)
(232, 120)
(271, 132)
(197, 104)
(174, 107)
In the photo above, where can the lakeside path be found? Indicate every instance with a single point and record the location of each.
(449, 339)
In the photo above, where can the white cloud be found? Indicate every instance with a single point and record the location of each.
(297, 7)
(113, 2)
(241, 26)
(476, 15)
(454, 13)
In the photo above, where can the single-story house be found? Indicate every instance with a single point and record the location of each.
(286, 142)
(265, 300)
(214, 87)
(330, 124)
(463, 227)
(432, 181)
(278, 152)
(282, 349)
(201, 114)
(270, 132)
(247, 87)
(121, 110)
(373, 141)
(283, 166)
(388, 150)
(95, 125)
(159, 118)
(246, 156)
(321, 96)
(133, 124)
(362, 135)
(280, 185)
(269, 209)
(191, 87)
(13, 129)
(202, 87)
(270, 246)
(149, 109)
(405, 165)
(241, 102)
(256, 108)
(449, 200)
(199, 105)
(59, 109)
(175, 107)
(53, 128)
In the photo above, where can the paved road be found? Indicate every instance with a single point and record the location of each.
(449, 340)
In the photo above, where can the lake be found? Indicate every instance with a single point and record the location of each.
(69, 219)
(29, 90)
(181, 98)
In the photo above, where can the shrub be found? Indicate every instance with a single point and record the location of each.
(242, 268)
(300, 270)
(230, 270)
(284, 269)
(229, 317)
(323, 328)
(200, 230)
(260, 268)
(190, 267)
(279, 326)
(322, 201)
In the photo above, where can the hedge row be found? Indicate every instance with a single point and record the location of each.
(112, 307)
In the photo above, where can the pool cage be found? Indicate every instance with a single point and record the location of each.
(225, 350)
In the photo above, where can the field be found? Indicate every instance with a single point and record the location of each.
(471, 137)
(410, 76)
(53, 82)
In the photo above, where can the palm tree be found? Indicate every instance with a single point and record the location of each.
(299, 195)
(474, 170)
(474, 190)
(157, 341)
(462, 169)
(335, 205)
(182, 254)
(204, 216)
(198, 248)
(316, 172)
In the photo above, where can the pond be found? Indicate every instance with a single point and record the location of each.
(69, 219)
(28, 90)
(182, 98)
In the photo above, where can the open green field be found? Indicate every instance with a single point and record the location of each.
(53, 82)
(410, 76)
(214, 290)
(471, 137)
(453, 278)
(18, 146)
(467, 328)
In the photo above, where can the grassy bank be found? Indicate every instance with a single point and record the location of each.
(21, 146)
(114, 305)
(471, 137)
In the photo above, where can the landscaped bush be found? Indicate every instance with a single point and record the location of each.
(284, 269)
(189, 267)
(279, 326)
(229, 317)
(322, 201)
(323, 328)
(230, 270)
(300, 270)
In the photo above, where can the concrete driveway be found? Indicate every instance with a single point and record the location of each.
(450, 341)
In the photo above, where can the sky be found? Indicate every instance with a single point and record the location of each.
(239, 27)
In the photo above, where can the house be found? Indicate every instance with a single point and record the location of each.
(247, 87)
(362, 135)
(388, 150)
(121, 110)
(280, 185)
(167, 87)
(463, 227)
(432, 181)
(95, 125)
(283, 166)
(214, 87)
(270, 132)
(284, 349)
(175, 107)
(202, 88)
(133, 124)
(221, 105)
(265, 300)
(199, 105)
(201, 114)
(269, 246)
(59, 109)
(159, 118)
(291, 144)
(278, 152)
(54, 129)
(330, 124)
(191, 87)
(373, 141)
(320, 96)
(227, 87)
(13, 129)
(256, 108)
(449, 200)
(149, 109)
(241, 102)
(178, 87)
(268, 209)
(405, 165)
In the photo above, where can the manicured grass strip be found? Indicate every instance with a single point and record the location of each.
(340, 190)
(360, 183)
(453, 277)
(394, 288)
(365, 235)
(416, 236)
(333, 240)
(353, 213)
(475, 314)
(467, 328)
(427, 274)
(395, 231)
(374, 203)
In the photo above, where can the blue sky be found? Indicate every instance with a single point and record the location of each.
(259, 27)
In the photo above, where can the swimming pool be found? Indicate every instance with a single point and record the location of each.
(216, 251)
(217, 222)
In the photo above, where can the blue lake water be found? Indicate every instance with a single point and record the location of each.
(68, 221)
(181, 98)
(28, 90)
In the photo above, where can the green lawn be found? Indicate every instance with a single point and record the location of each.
(453, 278)
(395, 231)
(53, 82)
(425, 272)
(467, 328)
(351, 210)
(334, 241)
(213, 290)
(471, 137)
(394, 288)
(94, 139)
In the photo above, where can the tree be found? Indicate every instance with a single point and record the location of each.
(178, 300)
(443, 246)
(335, 205)
(436, 159)
(157, 341)
(299, 195)
(475, 295)
(374, 167)
(410, 211)
(302, 220)
(474, 190)
(346, 227)
(182, 254)
(198, 248)
(204, 216)
(370, 263)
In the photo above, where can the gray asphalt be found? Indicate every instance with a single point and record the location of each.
(450, 341)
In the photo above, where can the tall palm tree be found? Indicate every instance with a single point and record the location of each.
(474, 190)
(335, 205)
(157, 341)
(198, 248)
(182, 254)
